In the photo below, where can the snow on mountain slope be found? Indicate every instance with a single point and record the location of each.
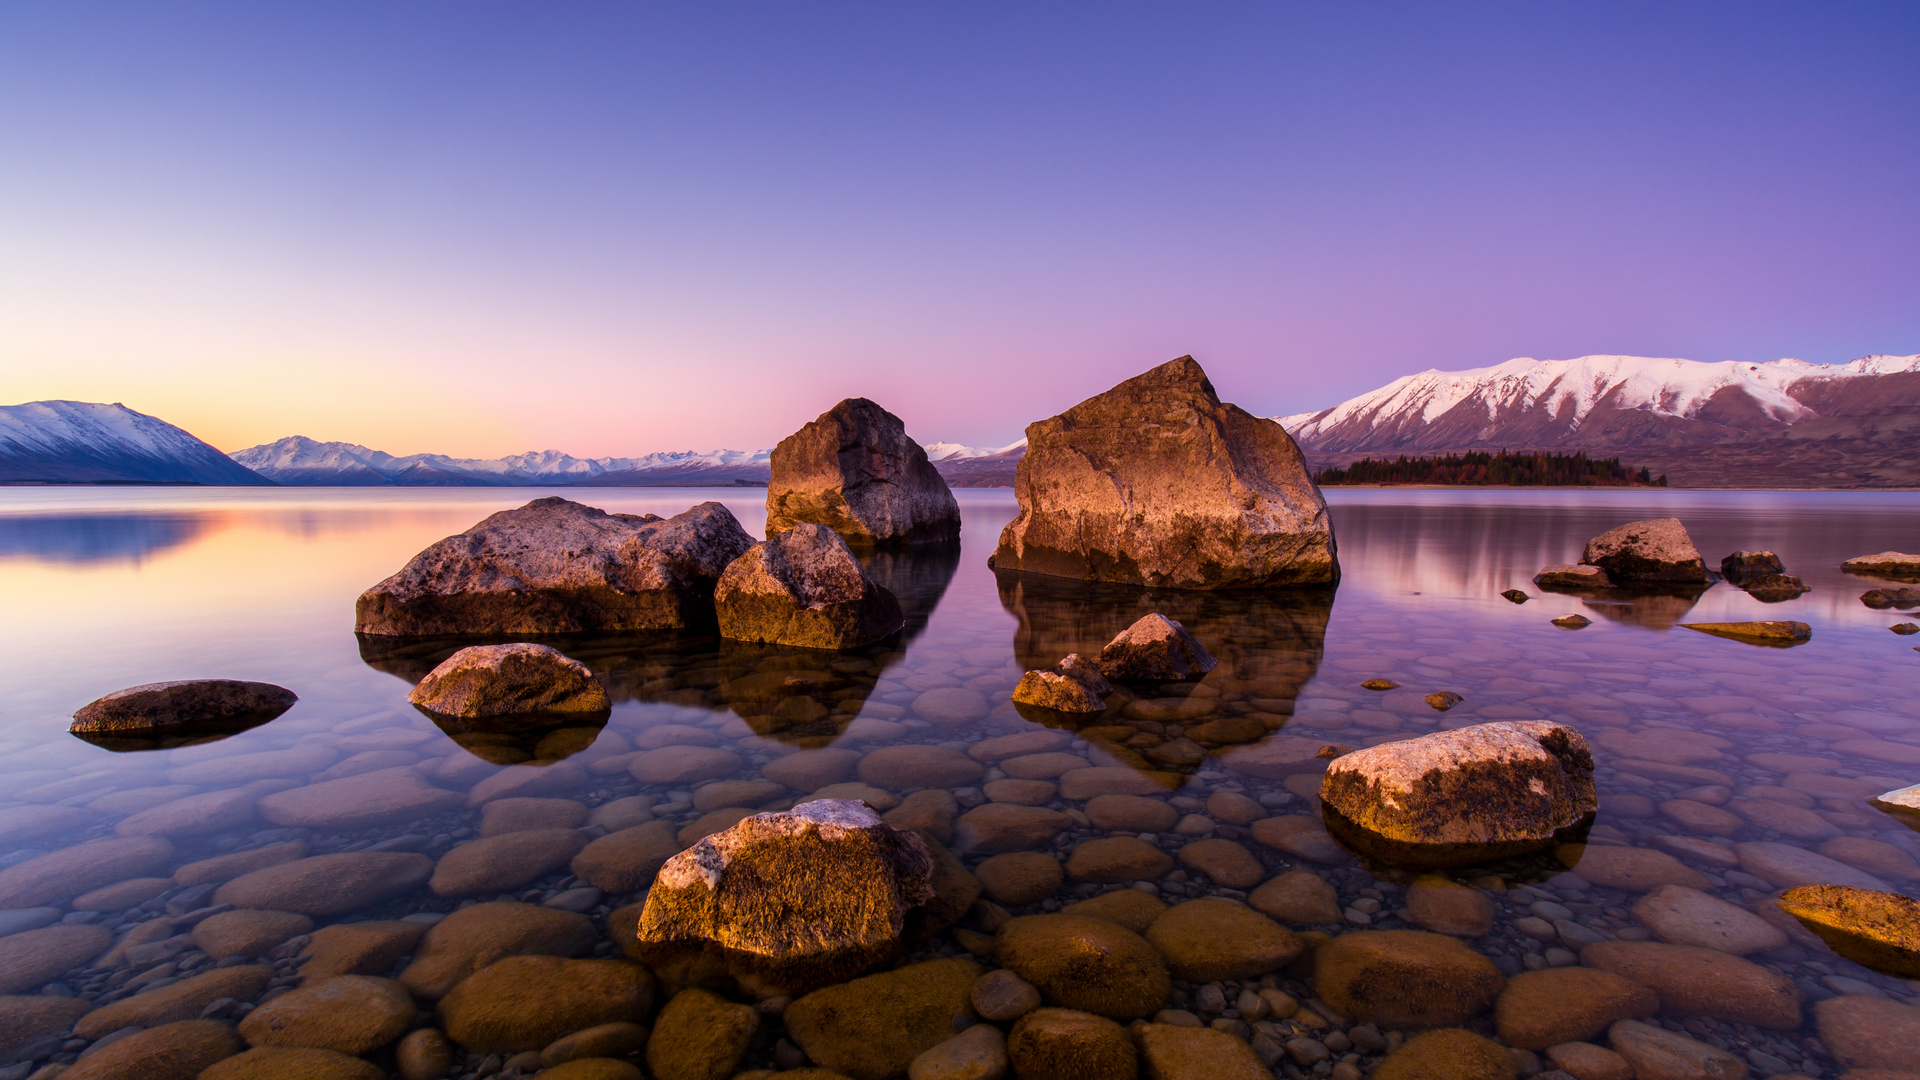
(950, 451)
(1609, 400)
(87, 443)
(300, 460)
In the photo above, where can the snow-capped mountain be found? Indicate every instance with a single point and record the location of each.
(303, 461)
(79, 442)
(1540, 403)
(950, 451)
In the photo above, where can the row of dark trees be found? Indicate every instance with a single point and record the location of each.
(1503, 468)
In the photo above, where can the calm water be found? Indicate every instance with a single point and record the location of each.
(1698, 739)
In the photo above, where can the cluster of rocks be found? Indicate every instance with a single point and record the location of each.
(1154, 649)
(1658, 554)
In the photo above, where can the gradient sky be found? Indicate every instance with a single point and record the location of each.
(606, 228)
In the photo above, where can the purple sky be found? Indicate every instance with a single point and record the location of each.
(612, 228)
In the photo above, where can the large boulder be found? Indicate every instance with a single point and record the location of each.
(1644, 551)
(803, 587)
(504, 680)
(555, 566)
(1741, 565)
(785, 903)
(185, 705)
(1888, 564)
(855, 471)
(1157, 482)
(1459, 797)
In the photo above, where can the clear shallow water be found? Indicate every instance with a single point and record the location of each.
(1696, 737)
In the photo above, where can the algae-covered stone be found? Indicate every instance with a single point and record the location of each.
(353, 1014)
(1075, 685)
(183, 706)
(1021, 877)
(1759, 633)
(1085, 963)
(1867, 1032)
(425, 1054)
(618, 1039)
(854, 470)
(1215, 939)
(26, 1019)
(1447, 907)
(1643, 551)
(1156, 482)
(183, 1000)
(293, 1063)
(507, 680)
(474, 937)
(1405, 978)
(804, 587)
(873, 1027)
(175, 1051)
(1173, 1052)
(1298, 896)
(1071, 1045)
(1448, 1054)
(30, 959)
(1131, 908)
(247, 933)
(1880, 930)
(700, 1036)
(525, 1002)
(359, 948)
(555, 566)
(785, 903)
(1459, 797)
(1541, 1008)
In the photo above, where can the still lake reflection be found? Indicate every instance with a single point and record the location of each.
(1745, 769)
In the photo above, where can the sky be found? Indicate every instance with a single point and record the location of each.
(615, 228)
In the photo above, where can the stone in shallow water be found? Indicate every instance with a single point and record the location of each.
(23, 823)
(359, 802)
(1186, 1053)
(1017, 878)
(1299, 834)
(1154, 648)
(1188, 492)
(1298, 896)
(183, 1000)
(1893, 564)
(1632, 869)
(25, 1020)
(1785, 866)
(1115, 859)
(1462, 796)
(1405, 978)
(514, 815)
(247, 933)
(1448, 1054)
(213, 811)
(1658, 1054)
(526, 1002)
(502, 863)
(507, 680)
(1008, 827)
(978, 1053)
(1658, 549)
(177, 1051)
(1214, 939)
(186, 704)
(1085, 963)
(700, 1036)
(1447, 907)
(293, 1063)
(555, 566)
(64, 874)
(618, 1039)
(918, 766)
(29, 959)
(1879, 930)
(1131, 813)
(1866, 1032)
(359, 948)
(1539, 1009)
(785, 903)
(803, 587)
(1762, 633)
(1572, 622)
(873, 1027)
(1000, 996)
(1225, 862)
(329, 884)
(1572, 576)
(1682, 916)
(855, 471)
(1131, 908)
(351, 1014)
(1704, 982)
(473, 937)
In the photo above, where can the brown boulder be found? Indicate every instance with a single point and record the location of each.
(1022, 877)
(293, 1063)
(26, 1019)
(1131, 908)
(506, 680)
(1156, 482)
(1154, 649)
(1214, 939)
(525, 1002)
(1866, 1032)
(555, 566)
(700, 1036)
(855, 471)
(501, 863)
(803, 587)
(1880, 930)
(32, 958)
(1113, 859)
(1405, 978)
(1008, 827)
(626, 861)
(1298, 896)
(183, 1000)
(177, 1051)
(1448, 1054)
(1705, 982)
(1447, 907)
(1541, 1008)
(359, 948)
(873, 1027)
(474, 937)
(1074, 685)
(350, 1014)
(1572, 576)
(1171, 1052)
(1084, 963)
(1655, 550)
(1654, 1053)
(247, 933)
(183, 706)
(1071, 1045)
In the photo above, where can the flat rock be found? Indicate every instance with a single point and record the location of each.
(473, 937)
(1131, 908)
(700, 1036)
(1464, 796)
(1213, 939)
(359, 948)
(181, 1001)
(1658, 549)
(1865, 1032)
(1171, 1052)
(293, 1063)
(1682, 916)
(1115, 859)
(978, 1053)
(228, 867)
(247, 933)
(626, 861)
(25, 1020)
(24, 823)
(1572, 576)
(183, 705)
(1405, 978)
(1022, 877)
(615, 1040)
(855, 471)
(1000, 826)
(517, 815)
(684, 765)
(803, 587)
(1879, 930)
(178, 1051)
(1225, 862)
(1775, 632)
(1632, 869)
(873, 1027)
(502, 863)
(35, 957)
(1299, 834)
(1894, 564)
(1543, 1008)
(1586, 1061)
(999, 747)
(349, 1014)
(1704, 982)
(1187, 492)
(259, 765)
(195, 815)
(329, 884)
(1786, 866)
(1298, 896)
(1448, 1054)
(1081, 784)
(1447, 907)
(1873, 856)
(919, 766)
(1154, 648)
(786, 903)
(64, 874)
(555, 566)
(358, 802)
(526, 1002)
(1658, 1054)
(1020, 792)
(812, 769)
(1131, 813)
(951, 706)
(509, 680)
(1085, 963)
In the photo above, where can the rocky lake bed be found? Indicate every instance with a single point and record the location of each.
(613, 880)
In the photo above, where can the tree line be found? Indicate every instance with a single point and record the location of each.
(1503, 468)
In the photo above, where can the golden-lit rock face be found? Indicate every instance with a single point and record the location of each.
(803, 587)
(786, 903)
(1658, 549)
(1463, 796)
(1880, 930)
(503, 680)
(855, 470)
(1157, 482)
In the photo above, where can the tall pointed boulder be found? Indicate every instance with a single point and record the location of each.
(855, 471)
(1157, 482)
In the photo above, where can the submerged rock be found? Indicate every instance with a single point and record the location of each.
(1405, 978)
(502, 680)
(1073, 685)
(873, 1027)
(526, 1002)
(1743, 565)
(1655, 550)
(803, 587)
(1090, 964)
(1880, 930)
(1155, 648)
(1463, 796)
(1157, 482)
(1758, 633)
(555, 566)
(1773, 588)
(1892, 564)
(855, 471)
(1572, 576)
(186, 705)
(788, 902)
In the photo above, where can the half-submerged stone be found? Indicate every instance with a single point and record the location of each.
(1891, 564)
(1773, 588)
(786, 903)
(1741, 565)
(1572, 622)
(1157, 482)
(1572, 576)
(1155, 649)
(555, 566)
(803, 587)
(1459, 797)
(507, 680)
(855, 471)
(1073, 685)
(1776, 633)
(1902, 803)
(1880, 930)
(183, 706)
(1658, 549)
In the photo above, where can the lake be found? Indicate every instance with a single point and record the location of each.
(1746, 768)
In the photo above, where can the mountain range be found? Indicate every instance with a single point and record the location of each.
(80, 442)
(298, 460)
(1782, 423)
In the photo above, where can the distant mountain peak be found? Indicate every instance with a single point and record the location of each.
(303, 461)
(952, 451)
(83, 442)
